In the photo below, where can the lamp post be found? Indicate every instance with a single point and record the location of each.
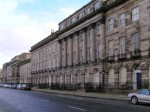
(73, 82)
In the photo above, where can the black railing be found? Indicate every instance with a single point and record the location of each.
(136, 53)
(128, 85)
(93, 87)
(110, 58)
(57, 86)
(122, 56)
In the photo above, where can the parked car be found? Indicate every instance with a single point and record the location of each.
(10, 85)
(143, 96)
(14, 86)
(1, 85)
(19, 86)
(6, 85)
(26, 87)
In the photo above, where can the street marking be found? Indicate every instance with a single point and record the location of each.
(45, 100)
(77, 108)
(70, 97)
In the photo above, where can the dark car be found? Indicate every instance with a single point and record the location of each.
(14, 86)
(26, 87)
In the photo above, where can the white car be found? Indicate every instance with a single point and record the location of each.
(143, 96)
(6, 85)
(1, 85)
(19, 86)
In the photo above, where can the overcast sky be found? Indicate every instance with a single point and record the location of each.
(23, 23)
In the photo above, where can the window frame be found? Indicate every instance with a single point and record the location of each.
(135, 41)
(97, 5)
(111, 48)
(122, 46)
(122, 21)
(136, 14)
(88, 10)
(111, 24)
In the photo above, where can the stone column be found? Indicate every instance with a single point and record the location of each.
(93, 45)
(60, 53)
(68, 51)
(84, 45)
(65, 51)
(77, 40)
(71, 49)
(103, 49)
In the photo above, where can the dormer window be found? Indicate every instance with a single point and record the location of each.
(68, 22)
(88, 10)
(73, 19)
(97, 5)
(61, 27)
(80, 15)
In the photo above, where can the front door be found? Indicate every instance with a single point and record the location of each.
(139, 81)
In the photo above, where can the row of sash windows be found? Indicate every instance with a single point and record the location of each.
(135, 44)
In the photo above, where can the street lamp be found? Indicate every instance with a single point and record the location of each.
(103, 74)
(73, 82)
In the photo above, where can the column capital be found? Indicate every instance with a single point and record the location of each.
(65, 39)
(77, 32)
(103, 19)
(60, 41)
(93, 25)
(84, 29)
(71, 36)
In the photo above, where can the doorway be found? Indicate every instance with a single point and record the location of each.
(137, 79)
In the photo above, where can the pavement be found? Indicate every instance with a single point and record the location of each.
(81, 93)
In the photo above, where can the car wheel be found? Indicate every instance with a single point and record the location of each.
(134, 100)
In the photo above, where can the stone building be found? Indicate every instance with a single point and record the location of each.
(11, 69)
(45, 59)
(103, 45)
(81, 37)
(25, 71)
(4, 75)
(127, 44)
(1, 75)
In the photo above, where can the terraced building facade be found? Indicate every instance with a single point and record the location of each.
(103, 45)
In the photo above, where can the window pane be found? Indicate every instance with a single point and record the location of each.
(122, 19)
(111, 23)
(122, 45)
(135, 41)
(111, 48)
(135, 13)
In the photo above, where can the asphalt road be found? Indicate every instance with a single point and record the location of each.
(29, 101)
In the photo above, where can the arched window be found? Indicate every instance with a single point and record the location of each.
(111, 77)
(122, 76)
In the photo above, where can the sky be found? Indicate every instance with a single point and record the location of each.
(23, 23)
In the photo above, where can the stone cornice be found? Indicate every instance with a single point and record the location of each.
(103, 9)
(82, 20)
(114, 4)
(45, 41)
(76, 12)
(25, 62)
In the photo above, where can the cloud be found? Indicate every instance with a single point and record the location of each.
(19, 31)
